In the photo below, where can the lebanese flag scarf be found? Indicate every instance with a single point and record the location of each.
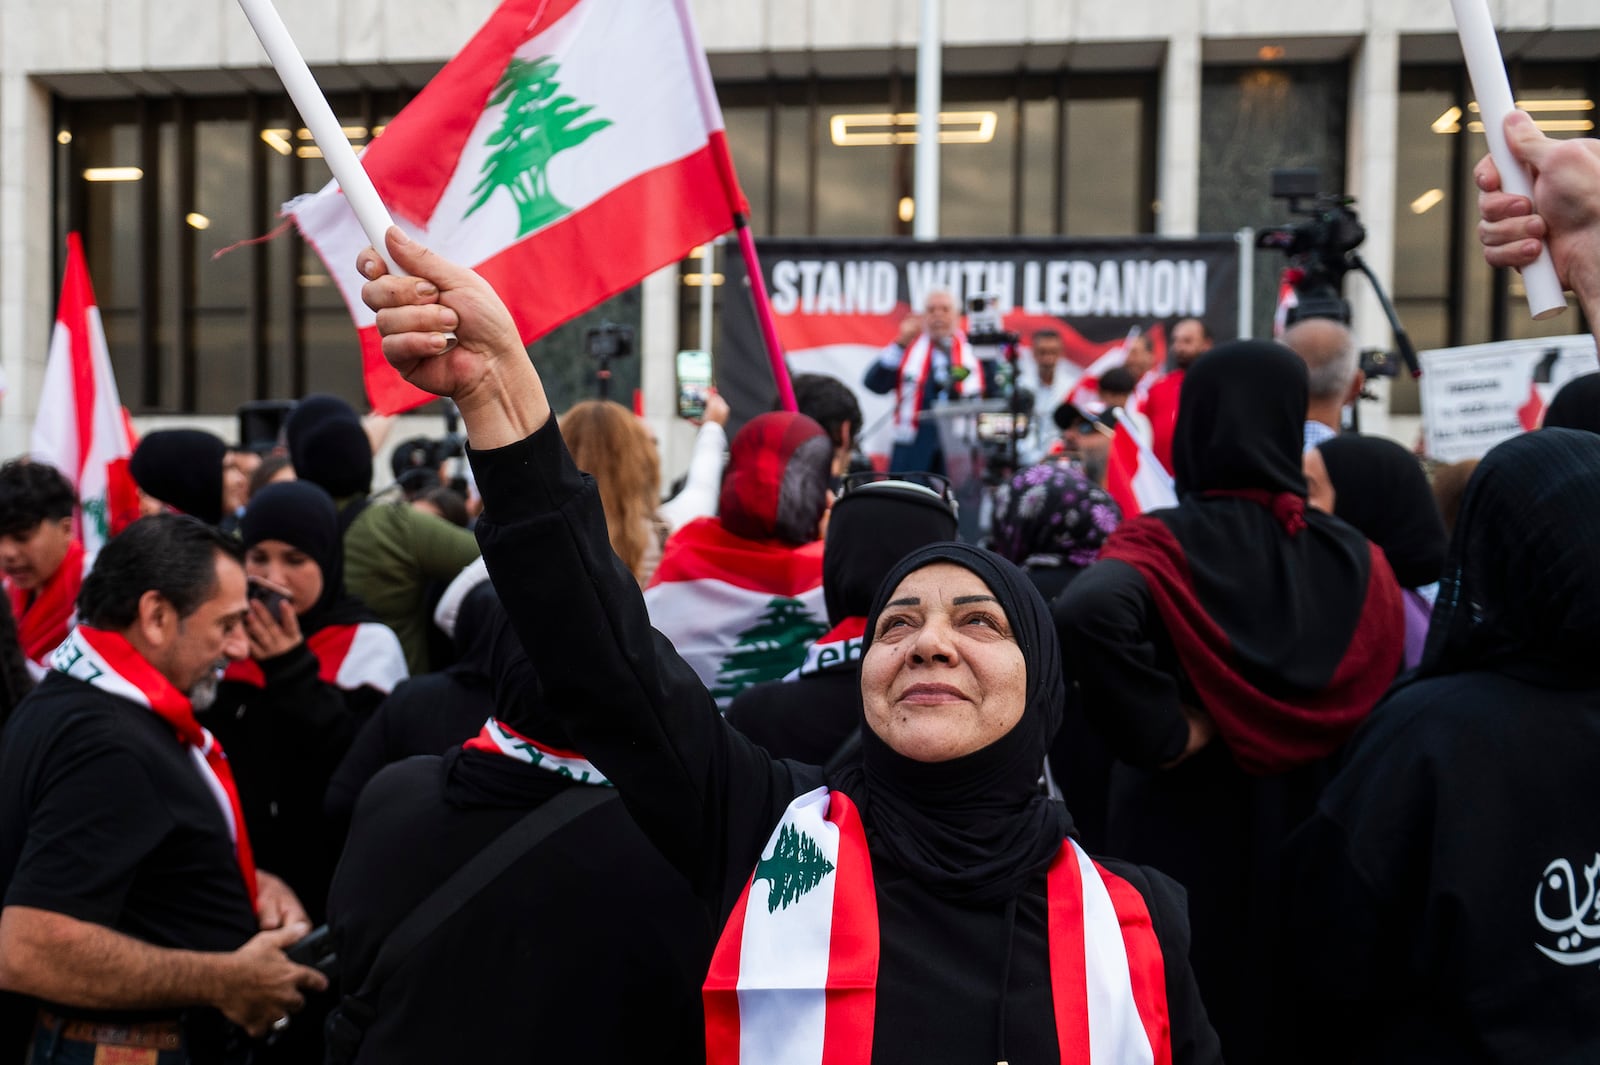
(914, 367)
(107, 661)
(841, 646)
(498, 738)
(363, 655)
(43, 623)
(793, 980)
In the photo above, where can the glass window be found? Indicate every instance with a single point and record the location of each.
(855, 186)
(1105, 146)
(976, 177)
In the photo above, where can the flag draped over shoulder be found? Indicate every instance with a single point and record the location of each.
(570, 149)
(81, 428)
(1135, 478)
(739, 611)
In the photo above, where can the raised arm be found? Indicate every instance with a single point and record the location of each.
(706, 796)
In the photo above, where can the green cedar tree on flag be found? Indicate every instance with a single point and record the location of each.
(770, 649)
(570, 149)
(796, 866)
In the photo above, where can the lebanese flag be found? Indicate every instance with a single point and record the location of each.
(81, 428)
(349, 657)
(570, 149)
(794, 976)
(1135, 478)
(739, 612)
(1288, 300)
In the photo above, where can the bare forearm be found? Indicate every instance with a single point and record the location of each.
(508, 406)
(76, 963)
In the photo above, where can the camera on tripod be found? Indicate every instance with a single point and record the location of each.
(1320, 251)
(608, 341)
(985, 328)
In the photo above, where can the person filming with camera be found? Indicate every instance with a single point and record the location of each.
(930, 362)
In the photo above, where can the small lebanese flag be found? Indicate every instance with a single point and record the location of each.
(1288, 300)
(570, 149)
(1135, 478)
(739, 611)
(81, 428)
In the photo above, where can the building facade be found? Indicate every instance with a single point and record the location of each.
(158, 131)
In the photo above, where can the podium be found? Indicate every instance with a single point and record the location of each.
(964, 462)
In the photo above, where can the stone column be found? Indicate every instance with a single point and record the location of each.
(1178, 155)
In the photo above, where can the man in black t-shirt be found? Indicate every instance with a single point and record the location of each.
(133, 915)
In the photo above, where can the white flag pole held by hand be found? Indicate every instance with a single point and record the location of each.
(1493, 90)
(319, 119)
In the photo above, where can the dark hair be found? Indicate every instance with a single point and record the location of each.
(271, 466)
(451, 505)
(1046, 333)
(171, 554)
(1118, 379)
(1205, 330)
(829, 402)
(32, 492)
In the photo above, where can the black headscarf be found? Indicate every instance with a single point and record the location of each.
(1380, 489)
(478, 624)
(302, 515)
(1577, 405)
(974, 828)
(183, 469)
(1286, 624)
(328, 446)
(871, 528)
(1521, 592)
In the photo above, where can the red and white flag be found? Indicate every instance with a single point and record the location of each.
(570, 149)
(1288, 300)
(1135, 478)
(81, 428)
(739, 612)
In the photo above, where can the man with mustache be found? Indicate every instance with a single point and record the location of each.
(133, 918)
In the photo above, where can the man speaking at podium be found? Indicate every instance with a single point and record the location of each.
(929, 363)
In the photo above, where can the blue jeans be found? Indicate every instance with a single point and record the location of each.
(62, 1041)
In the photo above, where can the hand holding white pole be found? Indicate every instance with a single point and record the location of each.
(320, 120)
(1493, 90)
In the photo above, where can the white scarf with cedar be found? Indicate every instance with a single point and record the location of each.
(841, 644)
(349, 657)
(911, 385)
(496, 738)
(783, 989)
(107, 661)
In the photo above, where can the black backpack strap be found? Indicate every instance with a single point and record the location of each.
(356, 1012)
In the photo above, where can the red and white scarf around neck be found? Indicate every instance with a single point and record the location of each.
(107, 661)
(43, 620)
(496, 738)
(910, 386)
(840, 645)
(794, 977)
(364, 655)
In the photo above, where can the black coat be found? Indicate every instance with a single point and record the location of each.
(709, 798)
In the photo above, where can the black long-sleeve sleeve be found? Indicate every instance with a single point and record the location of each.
(705, 795)
(1113, 643)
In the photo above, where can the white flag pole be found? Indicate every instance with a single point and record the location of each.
(925, 182)
(320, 120)
(1493, 90)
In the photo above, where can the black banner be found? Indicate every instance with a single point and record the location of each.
(838, 302)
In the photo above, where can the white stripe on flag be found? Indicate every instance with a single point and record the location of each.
(1116, 1032)
(784, 953)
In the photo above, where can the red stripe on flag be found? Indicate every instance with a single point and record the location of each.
(721, 989)
(414, 160)
(1069, 982)
(77, 296)
(704, 550)
(853, 947)
(557, 273)
(1122, 464)
(1146, 968)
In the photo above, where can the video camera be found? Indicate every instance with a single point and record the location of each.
(416, 462)
(1320, 247)
(1323, 249)
(608, 341)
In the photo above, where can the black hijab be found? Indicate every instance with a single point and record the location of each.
(871, 528)
(1379, 488)
(302, 515)
(1576, 406)
(479, 622)
(183, 469)
(974, 828)
(1521, 592)
(1286, 621)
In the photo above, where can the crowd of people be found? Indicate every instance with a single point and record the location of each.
(538, 765)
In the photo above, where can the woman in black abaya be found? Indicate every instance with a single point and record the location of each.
(1226, 648)
(1440, 902)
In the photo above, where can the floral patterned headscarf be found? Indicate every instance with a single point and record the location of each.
(1051, 515)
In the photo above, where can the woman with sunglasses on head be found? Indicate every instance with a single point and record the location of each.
(928, 905)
